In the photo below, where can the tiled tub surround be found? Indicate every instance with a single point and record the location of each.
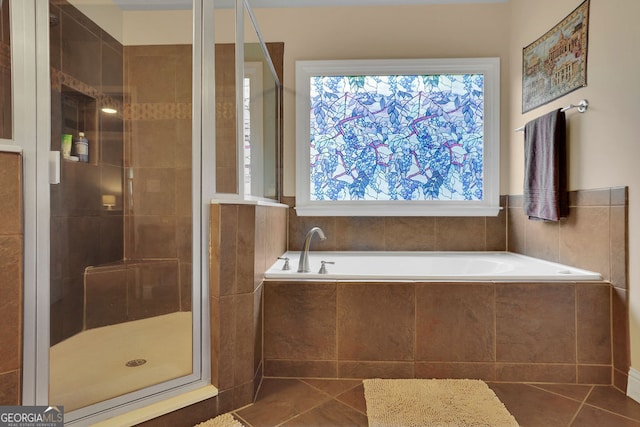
(547, 332)
(400, 233)
(245, 240)
(556, 332)
(593, 237)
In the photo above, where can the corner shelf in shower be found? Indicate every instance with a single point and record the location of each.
(79, 113)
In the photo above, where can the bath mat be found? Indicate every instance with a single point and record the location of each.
(422, 403)
(224, 420)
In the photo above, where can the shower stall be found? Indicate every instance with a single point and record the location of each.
(121, 221)
(121, 216)
(154, 111)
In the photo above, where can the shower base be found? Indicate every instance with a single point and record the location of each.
(92, 366)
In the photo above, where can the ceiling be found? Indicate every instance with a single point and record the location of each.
(186, 4)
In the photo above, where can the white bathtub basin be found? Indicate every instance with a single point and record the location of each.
(428, 266)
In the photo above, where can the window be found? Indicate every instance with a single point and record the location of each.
(253, 130)
(398, 138)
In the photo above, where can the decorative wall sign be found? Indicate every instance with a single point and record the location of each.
(556, 63)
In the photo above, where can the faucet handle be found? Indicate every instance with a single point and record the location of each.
(323, 267)
(285, 266)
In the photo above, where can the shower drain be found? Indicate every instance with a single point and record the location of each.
(135, 362)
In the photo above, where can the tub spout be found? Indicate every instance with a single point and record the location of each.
(303, 264)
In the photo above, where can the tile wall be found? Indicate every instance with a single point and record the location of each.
(493, 331)
(226, 176)
(6, 107)
(593, 237)
(11, 265)
(86, 72)
(245, 241)
(130, 290)
(400, 233)
(157, 159)
(519, 349)
(141, 155)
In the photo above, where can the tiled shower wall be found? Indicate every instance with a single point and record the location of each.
(594, 237)
(6, 107)
(11, 264)
(142, 155)
(116, 292)
(157, 159)
(86, 72)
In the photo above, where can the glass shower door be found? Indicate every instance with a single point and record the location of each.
(121, 217)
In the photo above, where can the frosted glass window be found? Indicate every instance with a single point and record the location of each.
(396, 137)
(367, 139)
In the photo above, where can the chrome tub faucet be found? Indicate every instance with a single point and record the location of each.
(303, 264)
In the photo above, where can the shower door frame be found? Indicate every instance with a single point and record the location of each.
(33, 105)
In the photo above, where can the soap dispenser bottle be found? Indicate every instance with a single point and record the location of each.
(81, 146)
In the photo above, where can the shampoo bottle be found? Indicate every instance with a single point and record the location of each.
(66, 145)
(81, 146)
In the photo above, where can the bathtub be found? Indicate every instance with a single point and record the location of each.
(427, 266)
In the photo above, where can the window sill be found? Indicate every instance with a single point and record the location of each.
(402, 209)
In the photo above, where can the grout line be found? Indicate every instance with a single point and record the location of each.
(239, 418)
(262, 338)
(538, 387)
(415, 327)
(609, 411)
(322, 391)
(339, 394)
(337, 317)
(320, 403)
(350, 406)
(611, 336)
(576, 328)
(581, 406)
(485, 232)
(495, 331)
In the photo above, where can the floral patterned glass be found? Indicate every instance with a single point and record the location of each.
(397, 137)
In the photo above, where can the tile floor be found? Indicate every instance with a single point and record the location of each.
(340, 403)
